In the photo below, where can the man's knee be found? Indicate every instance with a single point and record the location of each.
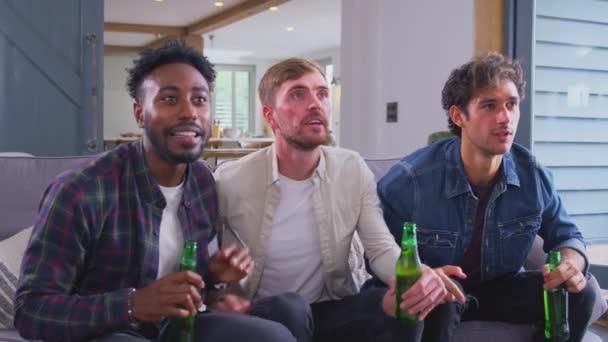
(266, 330)
(289, 304)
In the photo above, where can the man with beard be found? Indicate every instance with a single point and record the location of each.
(297, 205)
(103, 258)
(479, 200)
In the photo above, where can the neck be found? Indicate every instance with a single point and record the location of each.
(296, 164)
(479, 168)
(166, 173)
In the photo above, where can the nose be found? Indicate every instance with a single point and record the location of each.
(188, 111)
(504, 115)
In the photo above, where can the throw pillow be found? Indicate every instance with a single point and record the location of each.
(11, 253)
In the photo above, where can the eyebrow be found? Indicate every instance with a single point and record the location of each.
(299, 87)
(175, 88)
(492, 100)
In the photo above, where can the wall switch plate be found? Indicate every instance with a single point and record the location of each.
(391, 112)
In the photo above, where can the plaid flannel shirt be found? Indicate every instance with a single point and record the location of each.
(96, 236)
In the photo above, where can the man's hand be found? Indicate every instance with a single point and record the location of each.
(174, 295)
(569, 272)
(231, 264)
(231, 303)
(426, 293)
(453, 291)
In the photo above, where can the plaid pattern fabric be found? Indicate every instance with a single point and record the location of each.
(96, 236)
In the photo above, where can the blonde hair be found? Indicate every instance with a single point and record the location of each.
(289, 69)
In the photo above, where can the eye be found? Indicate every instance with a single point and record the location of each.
(169, 99)
(297, 95)
(200, 100)
(511, 105)
(489, 106)
(323, 94)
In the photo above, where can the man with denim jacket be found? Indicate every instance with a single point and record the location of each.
(479, 201)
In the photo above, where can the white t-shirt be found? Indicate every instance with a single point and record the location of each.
(293, 258)
(171, 238)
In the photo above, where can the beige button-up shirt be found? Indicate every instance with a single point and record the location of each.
(345, 202)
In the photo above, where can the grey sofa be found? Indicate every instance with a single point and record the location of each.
(23, 180)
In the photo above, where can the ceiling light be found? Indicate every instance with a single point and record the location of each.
(218, 4)
(290, 28)
(159, 0)
(273, 8)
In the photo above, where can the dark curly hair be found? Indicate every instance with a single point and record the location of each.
(480, 73)
(173, 51)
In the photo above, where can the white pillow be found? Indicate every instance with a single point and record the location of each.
(11, 253)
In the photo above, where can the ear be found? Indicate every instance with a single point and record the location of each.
(268, 113)
(138, 112)
(457, 115)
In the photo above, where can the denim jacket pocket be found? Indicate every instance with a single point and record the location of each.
(435, 246)
(516, 238)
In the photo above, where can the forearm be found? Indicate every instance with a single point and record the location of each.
(41, 314)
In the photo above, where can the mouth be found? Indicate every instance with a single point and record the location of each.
(315, 122)
(188, 132)
(503, 134)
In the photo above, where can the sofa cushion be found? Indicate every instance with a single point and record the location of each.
(11, 253)
(23, 182)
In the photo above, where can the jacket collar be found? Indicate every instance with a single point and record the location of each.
(456, 181)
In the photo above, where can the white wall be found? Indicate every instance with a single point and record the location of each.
(395, 50)
(118, 105)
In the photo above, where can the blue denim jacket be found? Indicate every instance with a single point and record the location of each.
(429, 187)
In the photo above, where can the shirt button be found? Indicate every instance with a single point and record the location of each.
(187, 204)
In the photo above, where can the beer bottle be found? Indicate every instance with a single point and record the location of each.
(182, 329)
(556, 307)
(407, 270)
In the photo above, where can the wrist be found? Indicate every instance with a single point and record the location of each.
(133, 322)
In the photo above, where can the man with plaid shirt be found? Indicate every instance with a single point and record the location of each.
(102, 259)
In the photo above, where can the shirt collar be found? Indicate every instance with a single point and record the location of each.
(273, 175)
(146, 183)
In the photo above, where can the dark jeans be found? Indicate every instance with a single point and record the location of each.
(514, 298)
(360, 318)
(289, 309)
(224, 327)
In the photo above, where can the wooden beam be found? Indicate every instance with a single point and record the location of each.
(139, 28)
(119, 49)
(231, 15)
(489, 28)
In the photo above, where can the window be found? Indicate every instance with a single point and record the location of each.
(564, 48)
(233, 96)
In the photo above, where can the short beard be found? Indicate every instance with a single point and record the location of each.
(300, 143)
(162, 147)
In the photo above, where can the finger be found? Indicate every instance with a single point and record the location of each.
(226, 253)
(577, 284)
(429, 301)
(392, 285)
(239, 256)
(243, 265)
(234, 303)
(560, 275)
(195, 296)
(421, 289)
(452, 289)
(174, 311)
(183, 277)
(454, 271)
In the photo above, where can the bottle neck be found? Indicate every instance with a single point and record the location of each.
(188, 260)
